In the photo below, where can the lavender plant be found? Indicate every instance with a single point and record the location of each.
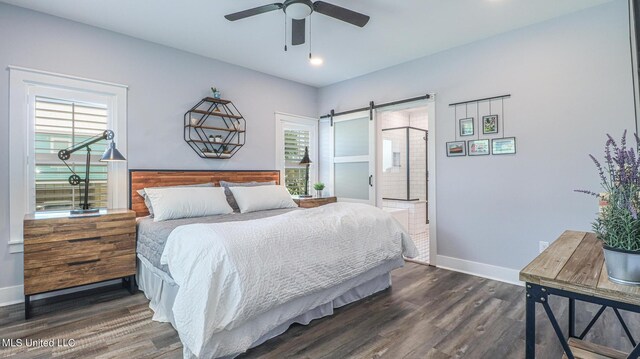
(618, 225)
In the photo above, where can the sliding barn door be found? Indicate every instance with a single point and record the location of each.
(354, 158)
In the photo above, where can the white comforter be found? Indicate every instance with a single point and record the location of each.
(231, 272)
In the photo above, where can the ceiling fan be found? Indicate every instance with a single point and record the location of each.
(299, 10)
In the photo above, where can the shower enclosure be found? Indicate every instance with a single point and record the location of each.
(404, 164)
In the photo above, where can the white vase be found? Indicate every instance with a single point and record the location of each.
(319, 193)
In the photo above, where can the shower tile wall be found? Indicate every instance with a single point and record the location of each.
(394, 183)
(394, 170)
(394, 119)
(418, 147)
(419, 119)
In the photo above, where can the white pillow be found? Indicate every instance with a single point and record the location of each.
(185, 202)
(251, 199)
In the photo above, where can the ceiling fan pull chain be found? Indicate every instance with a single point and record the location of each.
(309, 37)
(285, 33)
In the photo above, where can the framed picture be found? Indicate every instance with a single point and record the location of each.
(478, 147)
(503, 146)
(455, 149)
(466, 126)
(490, 124)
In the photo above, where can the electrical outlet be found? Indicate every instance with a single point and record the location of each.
(542, 246)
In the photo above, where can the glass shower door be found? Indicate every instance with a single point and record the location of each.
(353, 158)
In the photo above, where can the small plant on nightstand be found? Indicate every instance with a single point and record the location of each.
(318, 187)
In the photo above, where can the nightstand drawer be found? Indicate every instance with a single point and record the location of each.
(74, 273)
(65, 228)
(50, 254)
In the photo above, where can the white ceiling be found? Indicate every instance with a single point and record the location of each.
(399, 31)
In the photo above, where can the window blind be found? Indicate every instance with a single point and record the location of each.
(60, 124)
(295, 142)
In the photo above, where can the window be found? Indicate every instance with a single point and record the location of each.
(294, 134)
(295, 142)
(49, 112)
(60, 124)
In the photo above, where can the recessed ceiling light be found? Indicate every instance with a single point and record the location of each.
(316, 61)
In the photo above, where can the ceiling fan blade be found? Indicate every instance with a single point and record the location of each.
(251, 12)
(340, 13)
(297, 31)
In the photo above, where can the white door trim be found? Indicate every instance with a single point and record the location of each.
(431, 178)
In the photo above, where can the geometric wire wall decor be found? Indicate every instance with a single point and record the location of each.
(214, 128)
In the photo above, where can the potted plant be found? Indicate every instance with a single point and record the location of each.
(318, 187)
(618, 225)
(216, 93)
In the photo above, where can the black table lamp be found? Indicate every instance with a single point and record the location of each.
(306, 161)
(110, 154)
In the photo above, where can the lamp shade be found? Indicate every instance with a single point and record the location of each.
(305, 159)
(112, 154)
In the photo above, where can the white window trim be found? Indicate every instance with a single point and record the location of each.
(24, 85)
(289, 119)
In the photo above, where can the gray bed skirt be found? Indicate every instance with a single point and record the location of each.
(161, 291)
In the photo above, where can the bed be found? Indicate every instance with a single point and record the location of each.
(232, 281)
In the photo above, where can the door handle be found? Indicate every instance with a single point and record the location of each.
(370, 180)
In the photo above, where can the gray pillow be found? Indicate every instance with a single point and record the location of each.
(231, 199)
(147, 201)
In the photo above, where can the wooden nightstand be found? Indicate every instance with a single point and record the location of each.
(63, 252)
(310, 202)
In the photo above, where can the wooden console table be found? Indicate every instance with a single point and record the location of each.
(573, 267)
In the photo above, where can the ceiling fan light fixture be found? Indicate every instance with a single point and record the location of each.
(316, 61)
(298, 10)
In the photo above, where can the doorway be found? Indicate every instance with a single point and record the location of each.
(403, 169)
(354, 166)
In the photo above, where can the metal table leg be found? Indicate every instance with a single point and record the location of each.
(635, 354)
(27, 307)
(530, 325)
(572, 318)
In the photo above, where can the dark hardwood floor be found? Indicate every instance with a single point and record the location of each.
(428, 313)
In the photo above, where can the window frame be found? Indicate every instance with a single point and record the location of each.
(24, 85)
(295, 122)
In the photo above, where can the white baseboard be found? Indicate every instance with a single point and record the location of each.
(11, 295)
(488, 271)
(15, 294)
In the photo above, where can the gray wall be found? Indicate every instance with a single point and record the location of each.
(570, 79)
(163, 84)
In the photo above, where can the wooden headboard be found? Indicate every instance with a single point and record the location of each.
(139, 179)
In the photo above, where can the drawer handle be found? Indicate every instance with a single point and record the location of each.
(83, 262)
(84, 239)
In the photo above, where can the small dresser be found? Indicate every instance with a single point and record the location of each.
(62, 251)
(310, 202)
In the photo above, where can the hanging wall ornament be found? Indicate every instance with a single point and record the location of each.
(492, 124)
